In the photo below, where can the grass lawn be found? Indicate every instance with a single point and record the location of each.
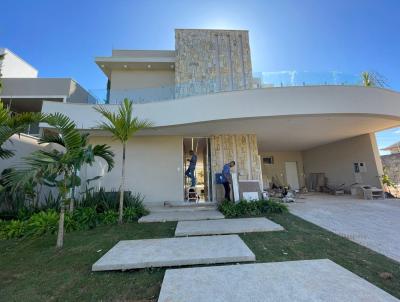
(33, 270)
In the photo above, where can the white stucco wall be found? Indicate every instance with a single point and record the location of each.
(336, 161)
(22, 145)
(13, 66)
(153, 167)
(256, 103)
(137, 79)
(277, 169)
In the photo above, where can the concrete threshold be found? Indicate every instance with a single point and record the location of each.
(226, 226)
(181, 215)
(300, 281)
(167, 252)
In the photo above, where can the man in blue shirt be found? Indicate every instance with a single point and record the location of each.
(192, 166)
(227, 179)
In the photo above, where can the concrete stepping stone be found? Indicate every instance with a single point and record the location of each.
(300, 281)
(163, 216)
(134, 254)
(226, 226)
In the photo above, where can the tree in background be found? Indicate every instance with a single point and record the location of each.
(373, 79)
(123, 126)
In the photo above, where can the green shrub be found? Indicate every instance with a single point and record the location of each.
(272, 206)
(85, 217)
(43, 222)
(13, 229)
(251, 208)
(109, 217)
(51, 202)
(103, 200)
(70, 224)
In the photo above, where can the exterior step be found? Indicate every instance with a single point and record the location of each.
(181, 215)
(304, 281)
(226, 226)
(167, 252)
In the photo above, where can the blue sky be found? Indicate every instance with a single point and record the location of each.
(61, 38)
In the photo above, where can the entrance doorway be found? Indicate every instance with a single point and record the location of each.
(292, 175)
(201, 191)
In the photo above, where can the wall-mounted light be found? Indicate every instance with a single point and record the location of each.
(172, 66)
(125, 66)
(149, 66)
(102, 66)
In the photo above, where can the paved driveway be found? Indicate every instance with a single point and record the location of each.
(374, 224)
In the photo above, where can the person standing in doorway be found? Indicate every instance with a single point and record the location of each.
(192, 167)
(227, 179)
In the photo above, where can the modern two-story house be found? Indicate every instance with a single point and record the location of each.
(204, 96)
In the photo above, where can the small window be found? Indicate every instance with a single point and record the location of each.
(268, 160)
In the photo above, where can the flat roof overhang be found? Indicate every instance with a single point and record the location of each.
(284, 119)
(107, 64)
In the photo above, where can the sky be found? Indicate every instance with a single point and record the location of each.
(61, 38)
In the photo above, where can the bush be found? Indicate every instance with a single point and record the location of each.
(109, 217)
(43, 222)
(36, 222)
(251, 208)
(70, 224)
(13, 229)
(103, 200)
(85, 217)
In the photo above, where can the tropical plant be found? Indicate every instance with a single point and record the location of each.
(109, 217)
(13, 123)
(251, 208)
(14, 229)
(122, 125)
(43, 222)
(373, 79)
(386, 180)
(86, 217)
(57, 168)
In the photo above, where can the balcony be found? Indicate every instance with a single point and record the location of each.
(196, 88)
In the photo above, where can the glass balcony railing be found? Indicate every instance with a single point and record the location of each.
(260, 80)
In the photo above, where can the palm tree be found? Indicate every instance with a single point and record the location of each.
(11, 124)
(122, 125)
(57, 168)
(373, 79)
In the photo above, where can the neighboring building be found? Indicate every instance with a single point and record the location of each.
(202, 96)
(23, 91)
(12, 66)
(393, 149)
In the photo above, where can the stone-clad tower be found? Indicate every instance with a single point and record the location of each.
(209, 61)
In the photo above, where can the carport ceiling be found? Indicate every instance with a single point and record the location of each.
(286, 133)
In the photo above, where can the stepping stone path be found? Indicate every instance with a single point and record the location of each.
(171, 215)
(226, 226)
(304, 281)
(134, 254)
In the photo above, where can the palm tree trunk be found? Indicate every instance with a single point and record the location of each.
(122, 187)
(60, 235)
(72, 202)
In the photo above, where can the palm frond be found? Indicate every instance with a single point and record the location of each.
(67, 129)
(104, 152)
(123, 124)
